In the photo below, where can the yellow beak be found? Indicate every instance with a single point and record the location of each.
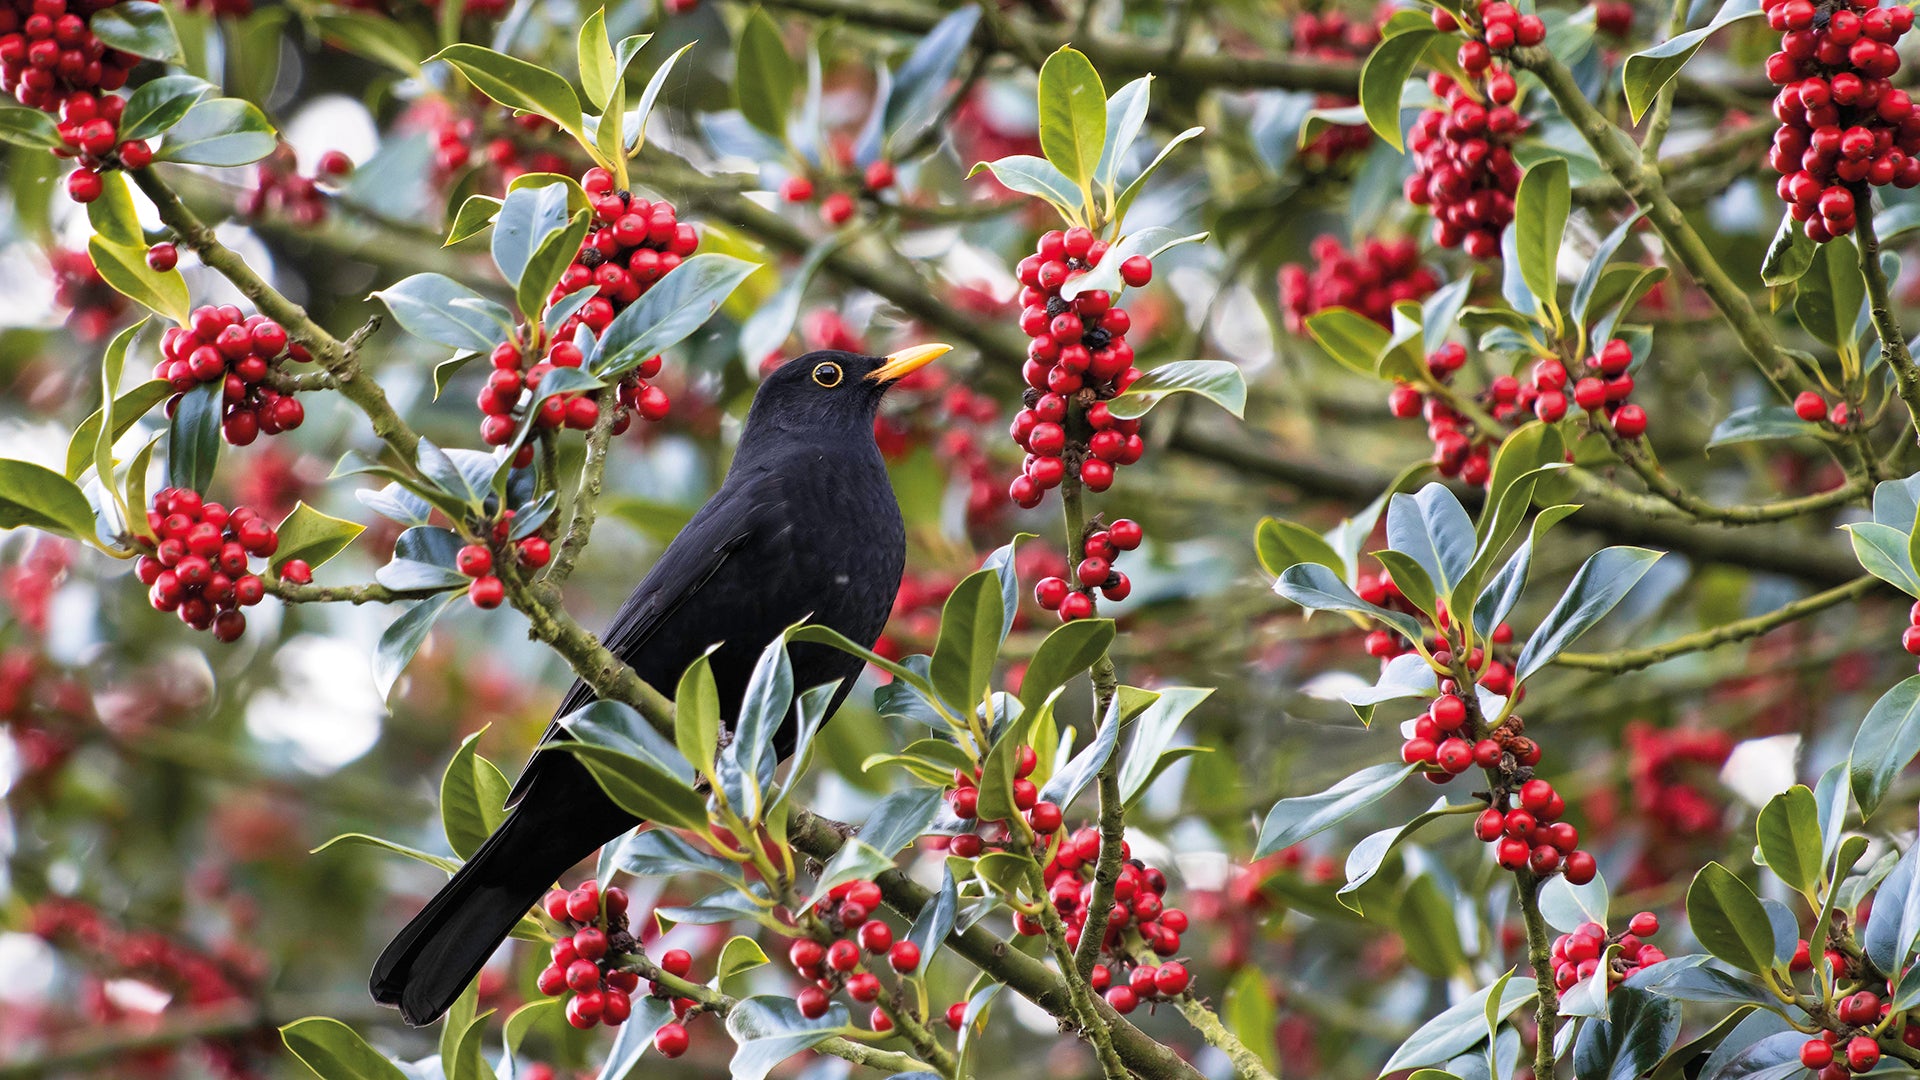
(907, 361)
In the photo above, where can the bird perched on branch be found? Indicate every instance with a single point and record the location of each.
(805, 526)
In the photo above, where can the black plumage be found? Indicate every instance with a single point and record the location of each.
(805, 526)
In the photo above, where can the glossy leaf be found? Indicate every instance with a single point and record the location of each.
(769, 1029)
(1789, 832)
(1384, 78)
(969, 642)
(1460, 1027)
(139, 27)
(1886, 743)
(36, 497)
(308, 534)
(335, 1051)
(1073, 114)
(764, 75)
(1295, 819)
(222, 132)
(473, 797)
(1646, 71)
(1219, 381)
(1034, 176)
(424, 306)
(1728, 920)
(515, 83)
(1759, 423)
(676, 306)
(403, 638)
(193, 439)
(1600, 584)
(1539, 221)
(1635, 1034)
(125, 268)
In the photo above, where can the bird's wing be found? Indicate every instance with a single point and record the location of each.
(729, 522)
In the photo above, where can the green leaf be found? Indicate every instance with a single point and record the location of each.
(1370, 854)
(159, 104)
(1280, 544)
(676, 306)
(1566, 906)
(1759, 423)
(138, 27)
(515, 83)
(696, 715)
(113, 216)
(29, 128)
(1459, 1028)
(1293, 820)
(37, 497)
(1634, 1036)
(1126, 114)
(439, 309)
(1650, 69)
(1895, 922)
(855, 861)
(473, 798)
(124, 266)
(1315, 588)
(1789, 832)
(996, 773)
(1433, 529)
(1539, 221)
(769, 1029)
(1412, 579)
(634, 127)
(1105, 276)
(475, 215)
(638, 787)
(1426, 924)
(1066, 652)
(1886, 743)
(193, 440)
(594, 52)
(1073, 114)
(333, 1050)
(1153, 730)
(357, 839)
(370, 36)
(764, 75)
(739, 955)
(1125, 201)
(1601, 583)
(128, 409)
(1356, 341)
(311, 535)
(1885, 553)
(1034, 176)
(1827, 297)
(1583, 290)
(922, 80)
(403, 638)
(1789, 256)
(222, 132)
(969, 642)
(1384, 77)
(528, 216)
(1727, 918)
(1219, 381)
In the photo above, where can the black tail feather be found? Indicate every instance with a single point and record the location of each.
(435, 956)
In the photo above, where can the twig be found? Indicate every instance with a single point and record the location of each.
(1724, 634)
(585, 496)
(1893, 340)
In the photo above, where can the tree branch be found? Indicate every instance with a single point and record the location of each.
(1724, 634)
(1893, 340)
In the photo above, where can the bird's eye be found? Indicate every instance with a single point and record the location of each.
(827, 374)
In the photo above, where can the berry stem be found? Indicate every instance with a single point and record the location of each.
(1724, 634)
(909, 1024)
(1546, 1006)
(1113, 818)
(1079, 991)
(1246, 1064)
(1893, 339)
(585, 496)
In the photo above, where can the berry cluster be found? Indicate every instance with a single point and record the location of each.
(585, 958)
(1834, 1055)
(1464, 172)
(1459, 447)
(838, 207)
(1607, 388)
(279, 188)
(1139, 905)
(51, 60)
(27, 587)
(1332, 35)
(503, 400)
(1578, 955)
(77, 286)
(1079, 348)
(1099, 550)
(477, 562)
(1842, 124)
(89, 129)
(219, 344)
(1490, 663)
(847, 916)
(964, 798)
(509, 146)
(199, 562)
(1370, 279)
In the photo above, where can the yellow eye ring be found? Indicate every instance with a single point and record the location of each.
(828, 374)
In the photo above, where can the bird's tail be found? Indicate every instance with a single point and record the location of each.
(433, 959)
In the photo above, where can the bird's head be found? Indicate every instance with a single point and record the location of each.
(831, 389)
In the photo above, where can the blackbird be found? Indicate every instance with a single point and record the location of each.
(805, 526)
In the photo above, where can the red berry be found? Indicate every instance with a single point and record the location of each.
(904, 956)
(163, 257)
(671, 1040)
(474, 560)
(876, 937)
(1171, 978)
(1810, 406)
(487, 592)
(813, 1002)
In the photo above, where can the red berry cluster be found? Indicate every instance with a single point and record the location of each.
(78, 286)
(1607, 388)
(219, 344)
(838, 207)
(476, 561)
(964, 797)
(1079, 347)
(51, 60)
(1523, 813)
(509, 146)
(1578, 955)
(586, 959)
(507, 386)
(279, 188)
(847, 918)
(234, 8)
(1370, 279)
(1834, 1055)
(27, 587)
(1842, 124)
(1139, 906)
(1460, 448)
(199, 561)
(1099, 551)
(1464, 172)
(1333, 35)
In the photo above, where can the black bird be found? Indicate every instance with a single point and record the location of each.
(805, 524)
